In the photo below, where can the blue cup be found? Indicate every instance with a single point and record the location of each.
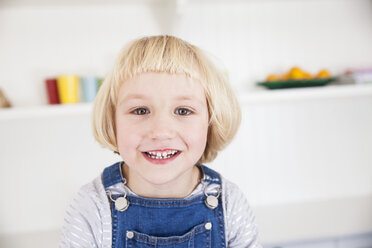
(89, 88)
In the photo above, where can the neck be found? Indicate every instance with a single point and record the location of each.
(178, 188)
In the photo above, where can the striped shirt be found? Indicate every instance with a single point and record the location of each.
(88, 218)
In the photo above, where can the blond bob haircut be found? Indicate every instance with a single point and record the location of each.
(169, 54)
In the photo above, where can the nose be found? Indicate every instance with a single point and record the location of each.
(161, 127)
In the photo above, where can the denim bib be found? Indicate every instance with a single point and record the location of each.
(166, 223)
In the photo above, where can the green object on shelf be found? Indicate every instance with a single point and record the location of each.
(100, 81)
(272, 85)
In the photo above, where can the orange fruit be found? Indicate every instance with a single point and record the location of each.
(296, 73)
(307, 75)
(323, 74)
(285, 76)
(272, 77)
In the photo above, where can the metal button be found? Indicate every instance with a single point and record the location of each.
(211, 202)
(121, 204)
(208, 226)
(130, 234)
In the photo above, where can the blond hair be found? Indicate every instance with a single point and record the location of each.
(169, 54)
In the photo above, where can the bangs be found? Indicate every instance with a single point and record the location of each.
(158, 54)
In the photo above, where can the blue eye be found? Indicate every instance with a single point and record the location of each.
(141, 111)
(183, 111)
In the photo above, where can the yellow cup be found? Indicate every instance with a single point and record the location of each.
(68, 88)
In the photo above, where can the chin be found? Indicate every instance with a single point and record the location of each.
(159, 178)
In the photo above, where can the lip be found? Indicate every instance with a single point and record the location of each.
(163, 149)
(161, 161)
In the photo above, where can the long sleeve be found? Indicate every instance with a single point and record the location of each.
(240, 226)
(87, 219)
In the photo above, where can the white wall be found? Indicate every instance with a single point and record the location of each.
(251, 38)
(44, 161)
(298, 151)
(287, 153)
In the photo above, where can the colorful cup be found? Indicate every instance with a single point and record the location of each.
(89, 87)
(100, 81)
(52, 90)
(68, 88)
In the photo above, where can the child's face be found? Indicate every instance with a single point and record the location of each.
(161, 113)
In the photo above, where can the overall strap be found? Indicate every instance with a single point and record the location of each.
(209, 175)
(112, 175)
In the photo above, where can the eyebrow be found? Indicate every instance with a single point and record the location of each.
(141, 96)
(134, 96)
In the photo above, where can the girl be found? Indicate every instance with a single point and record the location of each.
(166, 110)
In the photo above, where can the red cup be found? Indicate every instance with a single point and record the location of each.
(52, 90)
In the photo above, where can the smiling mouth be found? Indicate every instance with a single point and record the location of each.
(162, 155)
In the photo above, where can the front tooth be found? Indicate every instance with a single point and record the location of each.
(164, 154)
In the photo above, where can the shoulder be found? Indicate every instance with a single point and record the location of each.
(240, 225)
(91, 197)
(234, 198)
(93, 191)
(230, 188)
(87, 216)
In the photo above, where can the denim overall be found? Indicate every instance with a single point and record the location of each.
(166, 223)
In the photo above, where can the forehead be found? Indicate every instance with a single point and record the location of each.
(161, 85)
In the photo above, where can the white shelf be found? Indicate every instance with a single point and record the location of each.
(18, 3)
(253, 97)
(45, 111)
(308, 93)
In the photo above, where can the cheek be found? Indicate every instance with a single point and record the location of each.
(197, 136)
(126, 138)
(128, 144)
